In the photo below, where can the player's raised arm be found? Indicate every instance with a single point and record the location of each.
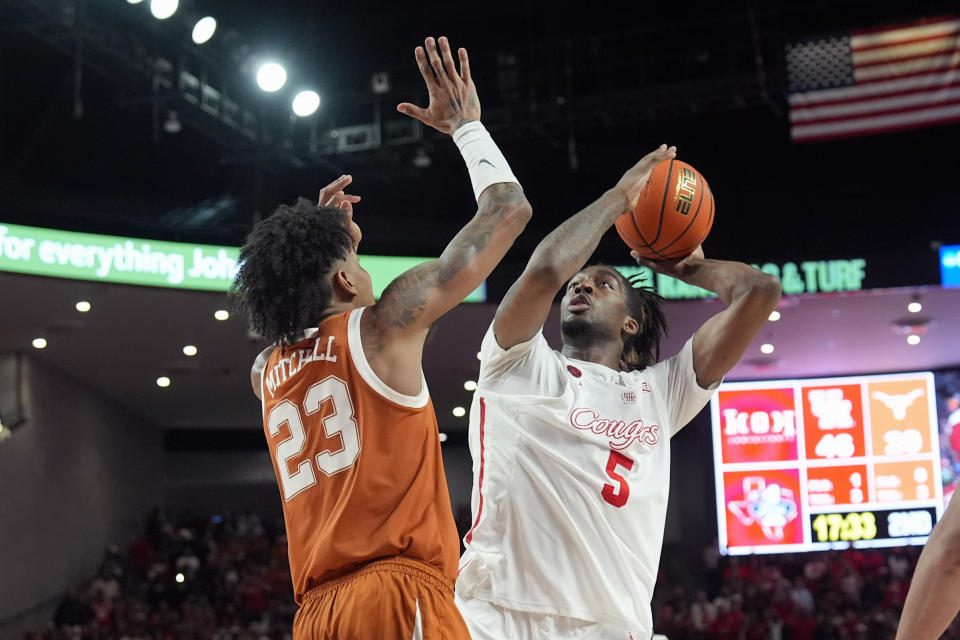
(564, 251)
(750, 295)
(414, 300)
(934, 596)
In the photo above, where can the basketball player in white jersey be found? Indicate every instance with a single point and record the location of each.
(571, 449)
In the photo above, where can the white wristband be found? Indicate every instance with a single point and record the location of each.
(485, 162)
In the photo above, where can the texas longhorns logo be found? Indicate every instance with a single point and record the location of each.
(898, 404)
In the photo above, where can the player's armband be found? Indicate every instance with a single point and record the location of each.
(485, 162)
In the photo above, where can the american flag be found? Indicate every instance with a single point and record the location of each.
(875, 81)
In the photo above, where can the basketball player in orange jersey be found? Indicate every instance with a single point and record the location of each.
(346, 412)
(934, 596)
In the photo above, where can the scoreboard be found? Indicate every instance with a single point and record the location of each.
(807, 465)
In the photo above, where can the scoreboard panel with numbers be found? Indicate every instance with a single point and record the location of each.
(826, 463)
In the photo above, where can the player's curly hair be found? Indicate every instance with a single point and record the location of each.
(282, 282)
(644, 305)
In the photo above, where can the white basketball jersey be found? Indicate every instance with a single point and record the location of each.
(571, 467)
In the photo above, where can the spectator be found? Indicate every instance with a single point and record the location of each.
(801, 596)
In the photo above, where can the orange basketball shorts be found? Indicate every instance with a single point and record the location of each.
(396, 598)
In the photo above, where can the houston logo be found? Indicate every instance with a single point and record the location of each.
(621, 434)
(768, 505)
(686, 187)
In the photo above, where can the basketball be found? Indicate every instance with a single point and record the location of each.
(673, 215)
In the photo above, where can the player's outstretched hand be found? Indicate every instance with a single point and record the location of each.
(333, 195)
(453, 98)
(673, 268)
(633, 181)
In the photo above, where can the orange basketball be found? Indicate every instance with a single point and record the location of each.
(673, 215)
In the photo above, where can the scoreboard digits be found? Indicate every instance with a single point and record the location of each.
(832, 527)
(888, 524)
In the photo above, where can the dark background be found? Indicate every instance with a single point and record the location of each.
(573, 93)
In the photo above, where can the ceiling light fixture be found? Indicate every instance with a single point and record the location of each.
(163, 9)
(271, 77)
(204, 29)
(306, 103)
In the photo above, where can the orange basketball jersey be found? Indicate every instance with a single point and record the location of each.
(358, 464)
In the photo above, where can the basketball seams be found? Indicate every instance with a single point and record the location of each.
(635, 237)
(633, 221)
(663, 204)
(695, 213)
(679, 253)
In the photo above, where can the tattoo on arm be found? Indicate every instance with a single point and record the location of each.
(405, 298)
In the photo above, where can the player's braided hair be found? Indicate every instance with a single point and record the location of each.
(282, 282)
(644, 305)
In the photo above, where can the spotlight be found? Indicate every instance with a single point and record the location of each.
(180, 578)
(83, 306)
(443, 437)
(163, 9)
(306, 103)
(774, 316)
(39, 343)
(221, 314)
(470, 385)
(189, 350)
(915, 306)
(204, 29)
(459, 412)
(271, 77)
(766, 348)
(478, 355)
(913, 339)
(163, 381)
(134, 1)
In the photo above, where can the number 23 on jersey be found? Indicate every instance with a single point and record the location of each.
(341, 420)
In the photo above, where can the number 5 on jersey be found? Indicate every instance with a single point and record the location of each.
(617, 495)
(341, 421)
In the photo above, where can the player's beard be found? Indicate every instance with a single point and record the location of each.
(580, 331)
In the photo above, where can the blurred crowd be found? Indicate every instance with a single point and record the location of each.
(186, 578)
(834, 595)
(227, 578)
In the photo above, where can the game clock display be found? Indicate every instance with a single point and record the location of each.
(805, 465)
